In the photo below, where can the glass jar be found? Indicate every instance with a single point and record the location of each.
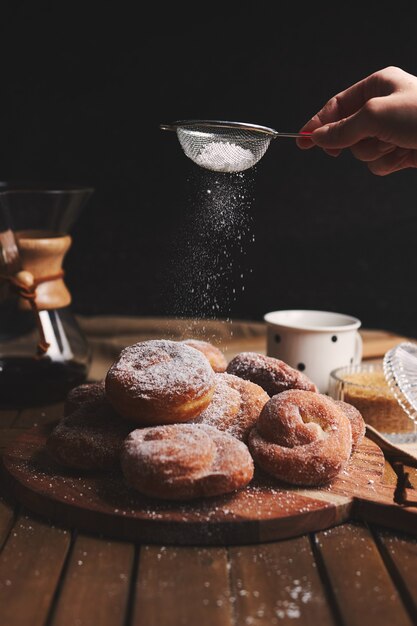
(365, 387)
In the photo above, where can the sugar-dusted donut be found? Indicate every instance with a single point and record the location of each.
(301, 437)
(90, 438)
(357, 423)
(273, 375)
(87, 392)
(160, 382)
(215, 355)
(224, 407)
(185, 461)
(253, 399)
(235, 407)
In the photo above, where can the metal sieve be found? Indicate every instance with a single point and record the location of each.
(224, 146)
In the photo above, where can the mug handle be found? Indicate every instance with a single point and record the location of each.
(358, 349)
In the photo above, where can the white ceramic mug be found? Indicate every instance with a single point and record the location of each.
(314, 342)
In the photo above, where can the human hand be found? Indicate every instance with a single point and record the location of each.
(376, 118)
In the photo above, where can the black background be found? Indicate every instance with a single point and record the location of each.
(83, 93)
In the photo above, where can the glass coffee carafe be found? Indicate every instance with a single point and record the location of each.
(43, 353)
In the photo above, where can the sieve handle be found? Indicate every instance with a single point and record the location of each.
(243, 126)
(304, 135)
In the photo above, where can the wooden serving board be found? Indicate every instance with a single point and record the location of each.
(264, 511)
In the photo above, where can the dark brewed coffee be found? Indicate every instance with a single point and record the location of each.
(29, 382)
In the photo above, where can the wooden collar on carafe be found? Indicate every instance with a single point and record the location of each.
(41, 257)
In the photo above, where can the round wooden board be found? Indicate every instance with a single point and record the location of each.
(103, 504)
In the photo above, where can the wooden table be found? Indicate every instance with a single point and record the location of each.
(50, 575)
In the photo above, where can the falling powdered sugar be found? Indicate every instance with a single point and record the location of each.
(224, 156)
(207, 266)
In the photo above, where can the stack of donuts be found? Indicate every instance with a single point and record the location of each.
(182, 423)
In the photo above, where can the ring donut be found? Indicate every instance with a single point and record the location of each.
(302, 438)
(273, 375)
(160, 382)
(185, 461)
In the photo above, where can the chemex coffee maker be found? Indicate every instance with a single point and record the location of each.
(43, 352)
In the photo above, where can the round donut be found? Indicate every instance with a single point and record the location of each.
(89, 439)
(235, 407)
(88, 392)
(357, 423)
(302, 438)
(214, 355)
(160, 382)
(273, 375)
(185, 461)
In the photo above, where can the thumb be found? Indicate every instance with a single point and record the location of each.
(347, 131)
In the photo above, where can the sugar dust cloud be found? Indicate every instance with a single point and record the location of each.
(208, 270)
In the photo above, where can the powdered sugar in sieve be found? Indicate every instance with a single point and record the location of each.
(224, 156)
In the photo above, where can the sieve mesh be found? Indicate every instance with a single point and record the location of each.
(225, 146)
(223, 149)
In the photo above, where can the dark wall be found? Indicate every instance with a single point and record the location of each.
(82, 97)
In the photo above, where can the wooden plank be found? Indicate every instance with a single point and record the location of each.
(96, 585)
(39, 415)
(7, 515)
(182, 586)
(400, 552)
(277, 583)
(30, 567)
(361, 585)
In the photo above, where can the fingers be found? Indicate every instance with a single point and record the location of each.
(365, 118)
(342, 105)
(305, 142)
(341, 134)
(398, 159)
(371, 149)
(347, 103)
(350, 130)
